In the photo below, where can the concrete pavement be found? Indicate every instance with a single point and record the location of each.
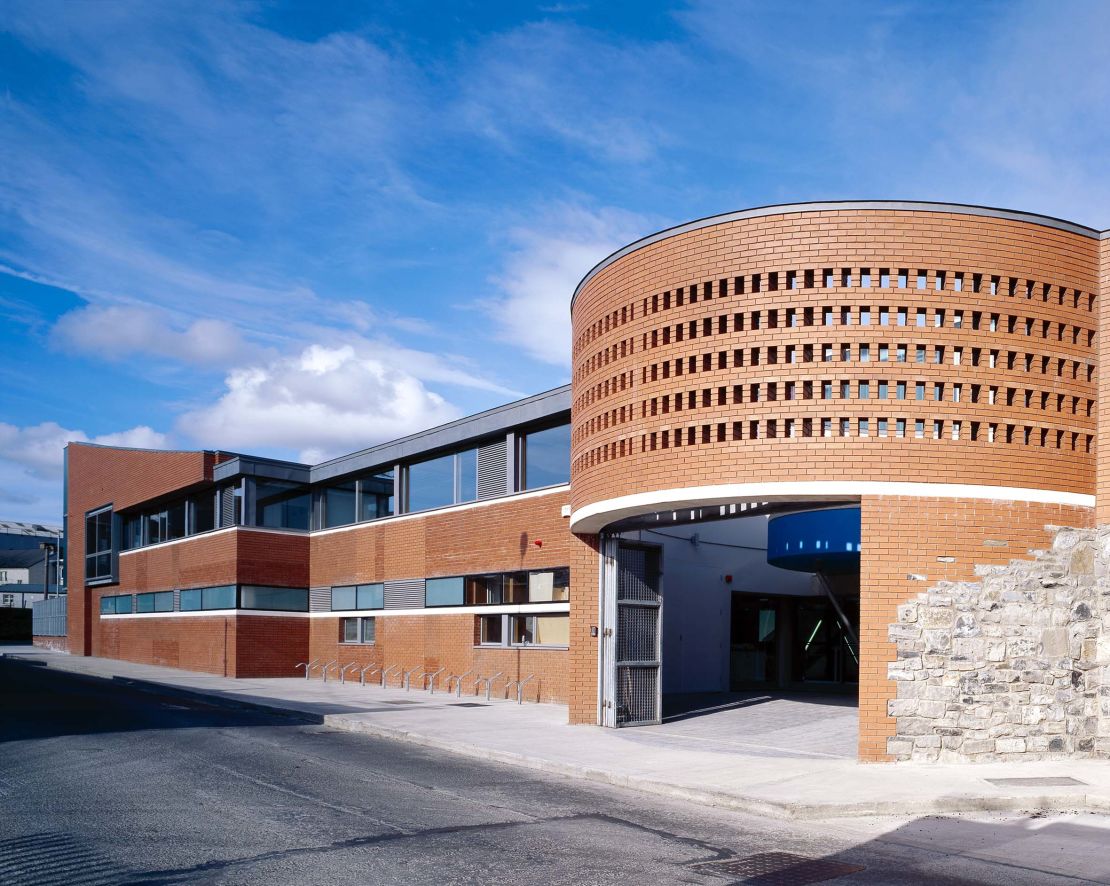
(665, 761)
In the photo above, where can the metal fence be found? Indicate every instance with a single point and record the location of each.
(48, 618)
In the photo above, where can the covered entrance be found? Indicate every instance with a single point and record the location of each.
(709, 614)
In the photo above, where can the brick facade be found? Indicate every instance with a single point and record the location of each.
(711, 357)
(666, 353)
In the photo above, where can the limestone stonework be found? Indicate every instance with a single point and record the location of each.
(1011, 667)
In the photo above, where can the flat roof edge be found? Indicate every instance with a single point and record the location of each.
(832, 206)
(535, 408)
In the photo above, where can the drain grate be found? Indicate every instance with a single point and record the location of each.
(402, 701)
(469, 704)
(777, 869)
(1047, 781)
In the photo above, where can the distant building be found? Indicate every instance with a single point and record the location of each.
(28, 571)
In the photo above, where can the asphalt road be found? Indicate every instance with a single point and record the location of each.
(101, 783)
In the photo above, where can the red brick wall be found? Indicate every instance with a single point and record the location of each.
(619, 338)
(103, 475)
(243, 646)
(905, 536)
(206, 643)
(497, 537)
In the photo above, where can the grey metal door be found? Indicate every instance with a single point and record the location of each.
(637, 610)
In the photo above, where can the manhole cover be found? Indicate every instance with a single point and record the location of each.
(1048, 781)
(778, 869)
(469, 704)
(402, 701)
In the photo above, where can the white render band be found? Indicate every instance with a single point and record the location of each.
(596, 516)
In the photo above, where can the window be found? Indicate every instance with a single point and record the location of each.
(339, 504)
(221, 597)
(119, 604)
(864, 390)
(370, 596)
(540, 630)
(273, 599)
(160, 601)
(375, 496)
(484, 590)
(432, 483)
(99, 548)
(490, 630)
(204, 512)
(546, 458)
(444, 591)
(550, 630)
(132, 533)
(900, 391)
(550, 586)
(281, 505)
(358, 630)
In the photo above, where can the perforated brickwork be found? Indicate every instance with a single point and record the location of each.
(724, 355)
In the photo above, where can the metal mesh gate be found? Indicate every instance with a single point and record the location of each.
(637, 655)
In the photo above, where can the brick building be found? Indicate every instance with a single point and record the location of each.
(918, 382)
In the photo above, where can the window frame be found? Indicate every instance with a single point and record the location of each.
(111, 551)
(361, 623)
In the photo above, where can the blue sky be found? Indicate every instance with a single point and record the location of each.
(298, 229)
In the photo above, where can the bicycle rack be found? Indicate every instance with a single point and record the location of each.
(489, 683)
(432, 680)
(328, 665)
(316, 665)
(406, 677)
(307, 665)
(519, 684)
(344, 669)
(362, 673)
(458, 678)
(387, 673)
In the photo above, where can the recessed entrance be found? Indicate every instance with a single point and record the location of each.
(753, 613)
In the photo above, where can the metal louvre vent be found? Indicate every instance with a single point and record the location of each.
(176, 600)
(319, 599)
(227, 506)
(492, 470)
(406, 594)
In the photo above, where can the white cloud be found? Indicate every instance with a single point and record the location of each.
(31, 465)
(37, 449)
(119, 331)
(544, 265)
(323, 402)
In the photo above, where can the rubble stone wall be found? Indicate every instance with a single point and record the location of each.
(1012, 666)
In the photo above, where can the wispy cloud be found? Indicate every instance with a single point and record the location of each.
(544, 264)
